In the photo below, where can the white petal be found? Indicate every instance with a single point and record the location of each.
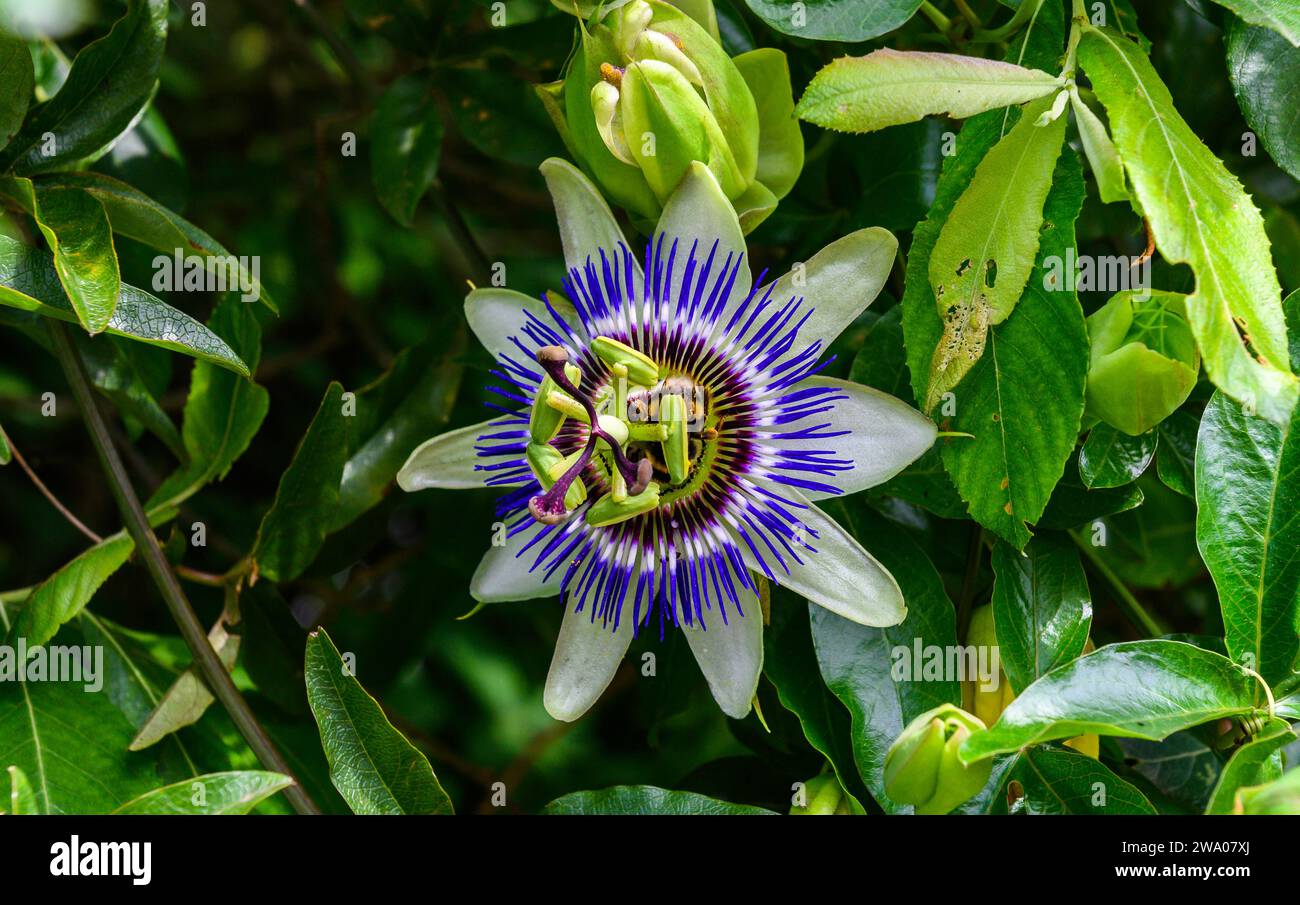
(698, 211)
(503, 576)
(731, 654)
(586, 222)
(448, 461)
(884, 436)
(495, 315)
(839, 576)
(587, 655)
(840, 281)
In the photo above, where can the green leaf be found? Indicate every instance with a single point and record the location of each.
(233, 792)
(137, 216)
(647, 800)
(890, 87)
(1041, 607)
(1176, 455)
(1060, 781)
(70, 743)
(29, 282)
(1112, 458)
(1006, 474)
(1136, 689)
(1182, 768)
(18, 77)
(6, 453)
(372, 765)
(1265, 72)
(875, 672)
(1154, 545)
(1282, 796)
(1200, 216)
(499, 114)
(988, 245)
(61, 596)
(22, 800)
(76, 228)
(138, 668)
(118, 377)
(188, 697)
(833, 20)
(1072, 504)
(404, 407)
(1283, 16)
(111, 81)
(1253, 764)
(222, 412)
(1103, 159)
(1247, 495)
(790, 664)
(293, 530)
(148, 159)
(405, 141)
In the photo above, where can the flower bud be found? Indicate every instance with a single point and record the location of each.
(1143, 360)
(650, 91)
(922, 768)
(824, 797)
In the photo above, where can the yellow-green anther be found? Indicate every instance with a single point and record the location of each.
(640, 368)
(545, 419)
(609, 121)
(655, 45)
(647, 432)
(608, 511)
(566, 405)
(548, 465)
(672, 415)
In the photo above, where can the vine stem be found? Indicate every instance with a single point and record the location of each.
(137, 525)
(931, 12)
(1130, 605)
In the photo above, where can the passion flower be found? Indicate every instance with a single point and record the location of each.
(665, 435)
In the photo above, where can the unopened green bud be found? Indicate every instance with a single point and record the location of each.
(1143, 360)
(544, 420)
(608, 511)
(640, 367)
(671, 126)
(654, 45)
(676, 445)
(824, 796)
(922, 767)
(609, 120)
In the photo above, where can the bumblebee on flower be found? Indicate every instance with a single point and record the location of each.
(665, 435)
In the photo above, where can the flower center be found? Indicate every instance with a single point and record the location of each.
(651, 436)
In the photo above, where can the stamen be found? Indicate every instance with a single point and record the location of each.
(549, 507)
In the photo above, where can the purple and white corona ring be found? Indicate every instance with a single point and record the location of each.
(663, 433)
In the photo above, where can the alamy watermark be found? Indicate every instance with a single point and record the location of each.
(179, 272)
(1098, 273)
(946, 663)
(53, 663)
